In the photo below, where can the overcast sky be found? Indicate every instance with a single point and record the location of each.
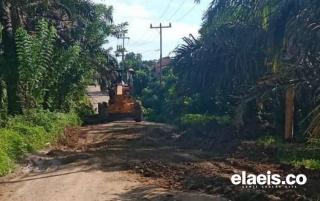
(184, 15)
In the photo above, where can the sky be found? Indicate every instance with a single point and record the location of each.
(184, 15)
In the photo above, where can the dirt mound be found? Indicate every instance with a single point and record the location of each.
(70, 137)
(220, 143)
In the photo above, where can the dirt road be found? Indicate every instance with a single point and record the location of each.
(130, 161)
(100, 167)
(144, 161)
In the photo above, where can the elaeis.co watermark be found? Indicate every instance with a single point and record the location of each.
(268, 180)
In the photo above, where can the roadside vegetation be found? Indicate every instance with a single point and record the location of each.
(50, 51)
(32, 131)
(254, 69)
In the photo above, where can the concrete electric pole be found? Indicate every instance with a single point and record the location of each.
(122, 49)
(160, 27)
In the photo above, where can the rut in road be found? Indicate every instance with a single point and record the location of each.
(103, 165)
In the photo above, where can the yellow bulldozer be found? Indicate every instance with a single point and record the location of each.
(121, 104)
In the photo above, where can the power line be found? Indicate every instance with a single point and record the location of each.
(159, 18)
(187, 13)
(147, 51)
(166, 10)
(142, 43)
(177, 10)
(149, 37)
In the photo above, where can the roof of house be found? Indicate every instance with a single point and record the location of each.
(165, 62)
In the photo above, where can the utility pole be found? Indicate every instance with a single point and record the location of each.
(122, 49)
(160, 27)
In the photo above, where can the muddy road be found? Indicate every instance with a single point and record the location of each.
(104, 164)
(143, 161)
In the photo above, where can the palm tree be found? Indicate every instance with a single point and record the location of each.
(78, 21)
(10, 20)
(255, 49)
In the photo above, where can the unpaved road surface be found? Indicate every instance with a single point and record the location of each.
(100, 167)
(145, 161)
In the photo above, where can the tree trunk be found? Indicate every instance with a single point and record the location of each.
(11, 66)
(289, 118)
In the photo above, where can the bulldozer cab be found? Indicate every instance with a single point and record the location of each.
(120, 88)
(121, 104)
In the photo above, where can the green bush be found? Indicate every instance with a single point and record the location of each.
(6, 163)
(312, 164)
(50, 121)
(12, 143)
(35, 137)
(299, 155)
(195, 120)
(3, 117)
(83, 107)
(30, 132)
(268, 140)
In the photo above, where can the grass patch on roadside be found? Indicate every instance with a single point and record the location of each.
(300, 155)
(29, 132)
(201, 120)
(297, 154)
(268, 140)
(312, 164)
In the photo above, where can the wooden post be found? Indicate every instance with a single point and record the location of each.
(289, 115)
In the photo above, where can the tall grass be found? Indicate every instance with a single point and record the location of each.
(29, 132)
(202, 120)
